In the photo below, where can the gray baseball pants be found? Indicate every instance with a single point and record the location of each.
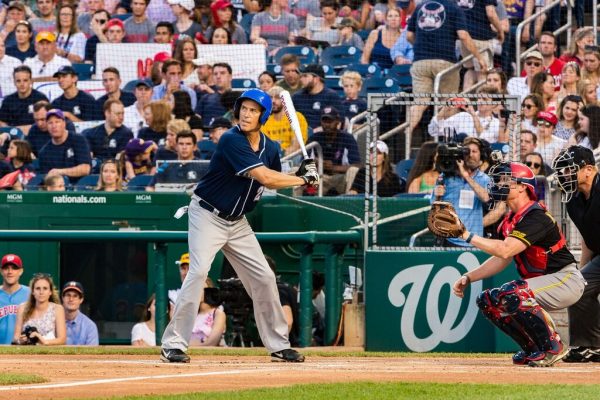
(558, 290)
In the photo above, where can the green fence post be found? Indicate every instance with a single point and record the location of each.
(306, 307)
(332, 292)
(161, 290)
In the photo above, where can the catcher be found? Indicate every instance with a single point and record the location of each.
(550, 278)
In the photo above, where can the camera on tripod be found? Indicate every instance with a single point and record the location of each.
(238, 306)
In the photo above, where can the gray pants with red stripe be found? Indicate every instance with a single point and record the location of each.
(558, 290)
(207, 235)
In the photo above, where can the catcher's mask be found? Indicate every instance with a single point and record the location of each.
(567, 164)
(504, 173)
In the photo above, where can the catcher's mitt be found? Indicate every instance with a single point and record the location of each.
(443, 220)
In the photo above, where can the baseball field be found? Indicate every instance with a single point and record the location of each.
(328, 373)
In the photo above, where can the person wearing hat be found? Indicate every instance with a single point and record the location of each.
(579, 183)
(138, 28)
(138, 158)
(15, 12)
(184, 25)
(12, 293)
(224, 17)
(81, 330)
(184, 266)
(340, 152)
(38, 133)
(17, 108)
(109, 138)
(314, 96)
(204, 69)
(278, 127)
(548, 145)
(521, 85)
(47, 62)
(216, 128)
(65, 153)
(134, 114)
(388, 183)
(348, 36)
(115, 31)
(76, 104)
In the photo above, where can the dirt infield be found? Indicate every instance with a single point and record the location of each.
(118, 375)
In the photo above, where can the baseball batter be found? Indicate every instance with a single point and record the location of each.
(550, 278)
(579, 182)
(244, 162)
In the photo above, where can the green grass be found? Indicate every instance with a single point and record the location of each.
(395, 391)
(20, 379)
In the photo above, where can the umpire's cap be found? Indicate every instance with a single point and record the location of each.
(258, 96)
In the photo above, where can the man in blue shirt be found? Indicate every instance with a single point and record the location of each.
(209, 104)
(172, 73)
(38, 133)
(11, 295)
(81, 331)
(111, 137)
(314, 96)
(76, 104)
(467, 191)
(245, 162)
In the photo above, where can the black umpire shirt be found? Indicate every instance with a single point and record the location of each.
(585, 214)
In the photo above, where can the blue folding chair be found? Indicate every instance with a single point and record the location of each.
(87, 182)
(333, 82)
(274, 68)
(241, 83)
(13, 131)
(139, 183)
(84, 71)
(379, 85)
(401, 74)
(36, 182)
(403, 168)
(366, 70)
(305, 54)
(339, 57)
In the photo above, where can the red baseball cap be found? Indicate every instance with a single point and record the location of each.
(12, 259)
(548, 116)
(162, 56)
(115, 22)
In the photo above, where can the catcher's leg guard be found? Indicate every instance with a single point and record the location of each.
(489, 304)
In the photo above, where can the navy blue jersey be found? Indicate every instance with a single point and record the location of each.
(73, 152)
(21, 55)
(165, 154)
(352, 108)
(147, 133)
(478, 24)
(16, 111)
(311, 105)
(182, 172)
(127, 98)
(342, 150)
(83, 105)
(104, 146)
(38, 138)
(209, 106)
(226, 185)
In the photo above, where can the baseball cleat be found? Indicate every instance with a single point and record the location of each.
(287, 355)
(547, 359)
(173, 356)
(521, 357)
(582, 355)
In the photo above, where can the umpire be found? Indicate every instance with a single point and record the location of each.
(579, 183)
(244, 163)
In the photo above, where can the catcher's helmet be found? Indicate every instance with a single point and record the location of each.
(567, 164)
(258, 96)
(501, 175)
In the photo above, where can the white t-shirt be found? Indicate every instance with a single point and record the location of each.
(551, 149)
(75, 43)
(517, 86)
(39, 69)
(7, 65)
(141, 331)
(133, 119)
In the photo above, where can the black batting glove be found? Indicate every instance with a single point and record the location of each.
(308, 164)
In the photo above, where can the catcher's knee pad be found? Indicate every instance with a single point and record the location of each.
(539, 326)
(514, 296)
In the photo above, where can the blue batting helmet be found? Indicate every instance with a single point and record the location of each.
(258, 96)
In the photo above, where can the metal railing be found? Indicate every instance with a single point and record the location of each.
(458, 65)
(317, 147)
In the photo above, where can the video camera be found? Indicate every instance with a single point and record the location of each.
(447, 156)
(27, 333)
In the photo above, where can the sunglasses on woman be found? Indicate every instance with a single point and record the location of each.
(528, 106)
(531, 164)
(541, 122)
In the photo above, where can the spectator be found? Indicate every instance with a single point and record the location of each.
(591, 66)
(434, 50)
(587, 90)
(168, 151)
(380, 42)
(209, 326)
(17, 108)
(303, 10)
(164, 32)
(111, 81)
(547, 46)
(467, 191)
(548, 145)
(567, 117)
(171, 72)
(217, 127)
(12, 293)
(81, 331)
(528, 143)
(223, 17)
(536, 163)
(19, 158)
(581, 38)
(15, 12)
(157, 115)
(54, 183)
(76, 104)
(266, 80)
(47, 62)
(423, 175)
(111, 177)
(204, 70)
(402, 51)
(530, 107)
(278, 127)
(138, 28)
(182, 109)
(110, 137)
(184, 267)
(340, 152)
(274, 28)
(38, 133)
(43, 311)
(186, 52)
(144, 332)
(497, 78)
(352, 104)
(347, 34)
(85, 20)
(532, 65)
(314, 96)
(388, 183)
(220, 35)
(23, 49)
(542, 84)
(115, 31)
(290, 69)
(588, 134)
(184, 26)
(65, 153)
(210, 105)
(98, 25)
(70, 41)
(517, 13)
(134, 114)
(7, 66)
(46, 20)
(324, 28)
(160, 11)
(571, 75)
(137, 158)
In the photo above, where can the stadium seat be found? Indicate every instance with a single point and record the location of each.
(401, 74)
(365, 70)
(240, 83)
(139, 183)
(13, 131)
(36, 182)
(206, 148)
(379, 85)
(333, 82)
(122, 17)
(88, 182)
(84, 71)
(274, 68)
(403, 168)
(304, 53)
(339, 57)
(328, 69)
